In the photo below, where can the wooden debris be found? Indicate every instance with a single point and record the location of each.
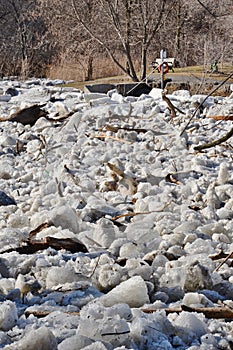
(216, 142)
(40, 314)
(171, 106)
(74, 179)
(115, 169)
(141, 212)
(171, 178)
(32, 245)
(103, 136)
(229, 256)
(203, 101)
(221, 117)
(116, 128)
(126, 184)
(28, 115)
(38, 229)
(223, 312)
(218, 256)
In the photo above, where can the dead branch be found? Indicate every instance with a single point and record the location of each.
(201, 104)
(209, 312)
(171, 106)
(38, 229)
(111, 137)
(40, 314)
(116, 128)
(229, 256)
(221, 117)
(215, 143)
(32, 246)
(222, 312)
(73, 178)
(141, 212)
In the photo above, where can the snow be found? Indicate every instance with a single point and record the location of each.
(151, 211)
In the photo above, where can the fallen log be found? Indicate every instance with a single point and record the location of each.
(221, 117)
(215, 143)
(209, 312)
(40, 314)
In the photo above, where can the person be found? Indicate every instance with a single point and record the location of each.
(214, 67)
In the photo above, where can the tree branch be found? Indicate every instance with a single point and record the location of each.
(215, 143)
(211, 92)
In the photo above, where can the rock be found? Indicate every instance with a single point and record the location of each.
(6, 200)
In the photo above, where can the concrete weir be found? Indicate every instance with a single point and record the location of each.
(173, 83)
(132, 89)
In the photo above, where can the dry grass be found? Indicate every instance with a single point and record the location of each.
(107, 73)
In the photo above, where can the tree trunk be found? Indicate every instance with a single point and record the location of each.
(89, 73)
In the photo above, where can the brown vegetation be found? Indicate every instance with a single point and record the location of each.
(89, 39)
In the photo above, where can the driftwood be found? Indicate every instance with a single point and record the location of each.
(215, 143)
(40, 314)
(32, 245)
(221, 312)
(116, 128)
(140, 212)
(103, 136)
(171, 106)
(28, 115)
(209, 312)
(221, 117)
(201, 104)
(229, 256)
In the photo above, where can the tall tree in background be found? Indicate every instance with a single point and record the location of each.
(37, 33)
(124, 29)
(23, 38)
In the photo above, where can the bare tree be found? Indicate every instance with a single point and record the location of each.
(129, 28)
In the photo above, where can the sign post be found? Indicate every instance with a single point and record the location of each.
(163, 56)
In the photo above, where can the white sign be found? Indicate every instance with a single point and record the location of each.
(163, 54)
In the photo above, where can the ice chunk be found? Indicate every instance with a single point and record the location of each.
(42, 339)
(199, 246)
(66, 217)
(156, 93)
(109, 277)
(197, 300)
(60, 275)
(223, 174)
(97, 345)
(197, 277)
(189, 326)
(132, 292)
(8, 315)
(104, 233)
(76, 342)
